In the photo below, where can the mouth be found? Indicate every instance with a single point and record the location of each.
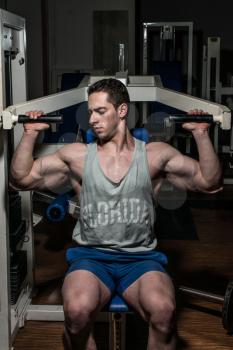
(98, 130)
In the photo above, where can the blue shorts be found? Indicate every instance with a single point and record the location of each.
(117, 270)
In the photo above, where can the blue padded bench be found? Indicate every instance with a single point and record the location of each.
(117, 304)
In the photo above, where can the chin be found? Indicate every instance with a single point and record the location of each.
(104, 137)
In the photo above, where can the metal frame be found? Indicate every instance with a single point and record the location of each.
(189, 26)
(212, 87)
(13, 39)
(211, 60)
(211, 64)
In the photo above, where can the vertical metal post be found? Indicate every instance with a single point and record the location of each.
(5, 309)
(190, 58)
(121, 57)
(145, 57)
(12, 90)
(145, 69)
(117, 322)
(213, 69)
(204, 71)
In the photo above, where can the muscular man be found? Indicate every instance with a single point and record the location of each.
(116, 179)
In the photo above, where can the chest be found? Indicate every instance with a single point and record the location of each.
(115, 167)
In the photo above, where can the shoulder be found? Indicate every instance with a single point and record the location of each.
(75, 150)
(160, 147)
(159, 153)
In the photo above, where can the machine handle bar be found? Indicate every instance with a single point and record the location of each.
(203, 118)
(44, 119)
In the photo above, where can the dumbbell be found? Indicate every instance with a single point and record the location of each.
(226, 301)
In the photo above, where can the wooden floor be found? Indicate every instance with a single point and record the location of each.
(205, 264)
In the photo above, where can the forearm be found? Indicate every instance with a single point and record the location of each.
(22, 160)
(208, 160)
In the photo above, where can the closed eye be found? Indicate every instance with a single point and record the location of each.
(100, 111)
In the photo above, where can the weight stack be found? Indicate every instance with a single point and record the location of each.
(17, 226)
(17, 235)
(18, 272)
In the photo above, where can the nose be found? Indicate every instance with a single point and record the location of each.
(93, 118)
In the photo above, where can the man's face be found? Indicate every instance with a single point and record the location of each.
(104, 118)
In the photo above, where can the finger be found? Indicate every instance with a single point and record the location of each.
(40, 113)
(30, 114)
(193, 112)
(195, 126)
(189, 125)
(196, 112)
(34, 114)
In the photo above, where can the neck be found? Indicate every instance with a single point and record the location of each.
(120, 141)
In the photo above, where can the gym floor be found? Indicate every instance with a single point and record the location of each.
(204, 264)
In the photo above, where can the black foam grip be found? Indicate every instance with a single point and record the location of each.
(43, 119)
(189, 118)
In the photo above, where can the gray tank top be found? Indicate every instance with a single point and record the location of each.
(116, 216)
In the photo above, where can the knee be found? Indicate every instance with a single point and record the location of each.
(162, 316)
(78, 314)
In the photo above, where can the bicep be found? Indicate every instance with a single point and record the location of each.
(48, 172)
(184, 172)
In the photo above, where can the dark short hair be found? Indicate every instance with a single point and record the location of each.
(116, 90)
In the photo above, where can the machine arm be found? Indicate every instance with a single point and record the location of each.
(47, 104)
(221, 114)
(139, 91)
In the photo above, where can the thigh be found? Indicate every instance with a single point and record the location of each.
(150, 292)
(84, 287)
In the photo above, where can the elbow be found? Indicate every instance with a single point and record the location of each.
(214, 189)
(13, 182)
(210, 181)
(213, 186)
(18, 184)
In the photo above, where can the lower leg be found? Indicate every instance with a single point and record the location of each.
(162, 338)
(153, 296)
(84, 295)
(82, 340)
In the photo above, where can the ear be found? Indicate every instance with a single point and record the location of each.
(123, 110)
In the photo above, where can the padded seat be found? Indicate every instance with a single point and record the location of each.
(117, 304)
